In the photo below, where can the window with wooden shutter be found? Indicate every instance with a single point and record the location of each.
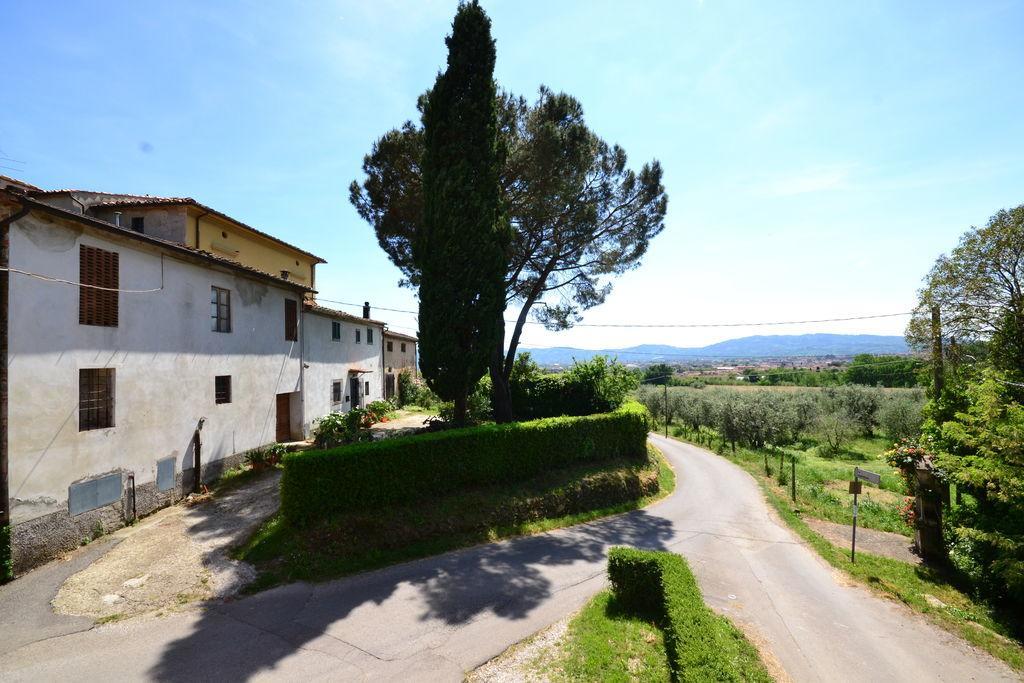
(97, 268)
(95, 398)
(291, 320)
(220, 309)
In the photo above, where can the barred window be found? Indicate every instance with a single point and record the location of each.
(97, 268)
(95, 398)
(336, 391)
(220, 309)
(222, 388)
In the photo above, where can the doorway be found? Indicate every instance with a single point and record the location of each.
(353, 391)
(284, 418)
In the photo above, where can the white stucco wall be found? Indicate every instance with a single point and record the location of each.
(165, 357)
(329, 360)
(396, 359)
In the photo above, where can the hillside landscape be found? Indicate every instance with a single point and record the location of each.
(756, 346)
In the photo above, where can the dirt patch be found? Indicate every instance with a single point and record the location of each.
(875, 495)
(174, 557)
(871, 541)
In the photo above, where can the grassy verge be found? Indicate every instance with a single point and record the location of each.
(822, 481)
(932, 592)
(607, 643)
(354, 542)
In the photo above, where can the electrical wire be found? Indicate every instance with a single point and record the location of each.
(48, 278)
(671, 325)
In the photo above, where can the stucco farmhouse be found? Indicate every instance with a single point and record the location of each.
(147, 344)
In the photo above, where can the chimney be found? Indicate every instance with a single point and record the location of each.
(117, 218)
(366, 310)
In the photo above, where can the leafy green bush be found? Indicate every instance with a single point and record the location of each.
(701, 646)
(268, 456)
(337, 429)
(594, 386)
(366, 476)
(378, 410)
(478, 407)
(413, 390)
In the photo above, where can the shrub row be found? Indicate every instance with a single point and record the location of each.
(6, 561)
(366, 476)
(701, 646)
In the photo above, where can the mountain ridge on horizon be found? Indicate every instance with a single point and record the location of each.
(750, 347)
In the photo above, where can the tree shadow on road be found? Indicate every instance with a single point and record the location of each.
(381, 613)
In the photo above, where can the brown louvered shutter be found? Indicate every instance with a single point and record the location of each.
(291, 320)
(99, 268)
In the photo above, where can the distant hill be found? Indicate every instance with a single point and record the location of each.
(757, 346)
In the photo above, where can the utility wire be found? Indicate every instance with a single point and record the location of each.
(672, 325)
(62, 281)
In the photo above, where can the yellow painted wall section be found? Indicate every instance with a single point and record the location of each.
(226, 239)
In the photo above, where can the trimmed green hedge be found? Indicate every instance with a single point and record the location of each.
(6, 562)
(701, 645)
(366, 476)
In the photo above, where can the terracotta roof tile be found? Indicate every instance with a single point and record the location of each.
(188, 201)
(175, 246)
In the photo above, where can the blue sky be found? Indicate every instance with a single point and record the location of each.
(818, 156)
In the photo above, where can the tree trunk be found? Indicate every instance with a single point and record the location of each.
(501, 389)
(459, 409)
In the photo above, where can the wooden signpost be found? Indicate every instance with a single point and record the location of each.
(859, 475)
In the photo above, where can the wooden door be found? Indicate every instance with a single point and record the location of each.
(284, 418)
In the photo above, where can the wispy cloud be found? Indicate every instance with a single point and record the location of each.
(822, 179)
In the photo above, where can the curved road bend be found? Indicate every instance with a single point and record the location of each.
(436, 618)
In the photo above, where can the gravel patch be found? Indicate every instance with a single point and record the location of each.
(525, 661)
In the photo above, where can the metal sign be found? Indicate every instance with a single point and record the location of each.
(864, 475)
(855, 487)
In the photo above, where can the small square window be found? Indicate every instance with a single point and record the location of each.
(390, 347)
(357, 336)
(369, 335)
(139, 223)
(222, 388)
(403, 347)
(335, 331)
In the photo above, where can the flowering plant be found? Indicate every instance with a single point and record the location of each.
(905, 457)
(908, 512)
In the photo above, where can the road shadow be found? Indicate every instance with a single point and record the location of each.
(508, 579)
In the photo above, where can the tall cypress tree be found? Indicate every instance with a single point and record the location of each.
(462, 250)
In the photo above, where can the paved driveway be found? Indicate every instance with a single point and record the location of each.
(436, 618)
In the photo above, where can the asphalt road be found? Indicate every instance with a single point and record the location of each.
(437, 618)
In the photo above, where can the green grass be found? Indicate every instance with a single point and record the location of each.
(353, 542)
(606, 643)
(973, 620)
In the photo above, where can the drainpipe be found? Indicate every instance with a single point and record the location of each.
(5, 496)
(302, 368)
(197, 226)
